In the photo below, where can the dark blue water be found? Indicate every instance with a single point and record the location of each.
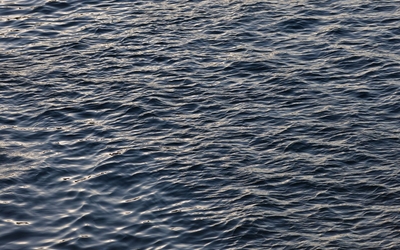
(189, 124)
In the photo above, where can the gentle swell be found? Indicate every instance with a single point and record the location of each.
(199, 124)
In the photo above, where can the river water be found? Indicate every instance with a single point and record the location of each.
(189, 124)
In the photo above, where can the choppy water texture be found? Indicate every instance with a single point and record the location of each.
(199, 124)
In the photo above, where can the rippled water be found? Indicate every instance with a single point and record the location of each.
(189, 124)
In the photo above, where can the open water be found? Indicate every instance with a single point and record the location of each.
(189, 124)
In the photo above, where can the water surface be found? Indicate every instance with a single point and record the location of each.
(199, 124)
